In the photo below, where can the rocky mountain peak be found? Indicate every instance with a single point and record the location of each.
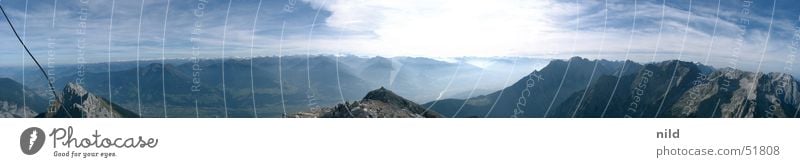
(578, 58)
(80, 103)
(379, 103)
(384, 95)
(73, 89)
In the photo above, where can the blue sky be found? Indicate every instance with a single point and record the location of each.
(429, 28)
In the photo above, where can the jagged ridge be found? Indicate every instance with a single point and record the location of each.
(79, 103)
(379, 103)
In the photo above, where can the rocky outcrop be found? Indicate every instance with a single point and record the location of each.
(731, 93)
(12, 110)
(79, 103)
(380, 103)
(678, 89)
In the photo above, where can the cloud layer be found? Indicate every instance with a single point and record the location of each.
(712, 32)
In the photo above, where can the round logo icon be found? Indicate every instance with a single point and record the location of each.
(31, 140)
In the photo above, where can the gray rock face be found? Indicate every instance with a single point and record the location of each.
(665, 89)
(639, 94)
(538, 92)
(380, 103)
(79, 103)
(737, 94)
(12, 110)
(690, 92)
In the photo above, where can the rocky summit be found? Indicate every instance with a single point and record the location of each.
(379, 103)
(79, 103)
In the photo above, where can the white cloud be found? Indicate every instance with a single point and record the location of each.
(430, 28)
(444, 28)
(441, 27)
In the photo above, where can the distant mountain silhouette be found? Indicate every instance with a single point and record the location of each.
(537, 90)
(303, 83)
(693, 93)
(126, 90)
(463, 87)
(12, 104)
(647, 87)
(665, 89)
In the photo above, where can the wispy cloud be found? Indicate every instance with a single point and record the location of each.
(431, 28)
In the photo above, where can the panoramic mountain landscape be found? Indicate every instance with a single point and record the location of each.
(575, 87)
(195, 89)
(376, 59)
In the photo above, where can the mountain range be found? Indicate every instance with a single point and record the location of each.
(340, 86)
(79, 103)
(74, 102)
(17, 101)
(628, 89)
(216, 88)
